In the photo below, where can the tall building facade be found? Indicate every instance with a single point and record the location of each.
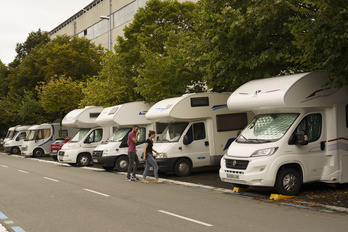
(101, 21)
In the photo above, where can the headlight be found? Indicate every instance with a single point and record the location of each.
(105, 152)
(162, 155)
(265, 152)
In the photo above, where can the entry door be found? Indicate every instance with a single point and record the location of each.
(313, 155)
(198, 149)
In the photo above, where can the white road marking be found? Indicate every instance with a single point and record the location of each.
(185, 218)
(47, 178)
(92, 191)
(4, 166)
(23, 171)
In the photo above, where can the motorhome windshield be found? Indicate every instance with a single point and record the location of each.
(267, 128)
(119, 134)
(79, 135)
(10, 134)
(173, 132)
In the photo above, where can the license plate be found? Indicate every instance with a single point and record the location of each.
(95, 161)
(54, 151)
(232, 176)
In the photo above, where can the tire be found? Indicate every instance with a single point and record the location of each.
(15, 150)
(288, 182)
(183, 167)
(122, 163)
(38, 152)
(83, 160)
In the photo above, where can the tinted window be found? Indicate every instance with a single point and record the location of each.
(199, 101)
(230, 122)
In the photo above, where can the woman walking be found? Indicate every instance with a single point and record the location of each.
(149, 159)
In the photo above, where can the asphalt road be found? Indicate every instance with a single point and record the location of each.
(40, 196)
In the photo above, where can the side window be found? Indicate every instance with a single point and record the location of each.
(95, 136)
(43, 134)
(142, 135)
(64, 133)
(230, 122)
(311, 125)
(22, 135)
(196, 132)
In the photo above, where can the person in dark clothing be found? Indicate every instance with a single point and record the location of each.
(149, 159)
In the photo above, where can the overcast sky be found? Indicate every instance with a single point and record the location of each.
(20, 17)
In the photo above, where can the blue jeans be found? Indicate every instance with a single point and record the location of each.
(150, 161)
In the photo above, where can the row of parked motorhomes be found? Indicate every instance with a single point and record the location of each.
(276, 132)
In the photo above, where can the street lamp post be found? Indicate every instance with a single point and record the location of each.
(109, 29)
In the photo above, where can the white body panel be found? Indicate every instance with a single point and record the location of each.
(324, 158)
(10, 133)
(123, 117)
(14, 145)
(89, 136)
(82, 118)
(70, 151)
(196, 115)
(127, 114)
(40, 137)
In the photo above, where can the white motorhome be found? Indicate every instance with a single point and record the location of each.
(113, 153)
(80, 148)
(10, 133)
(299, 134)
(200, 130)
(40, 137)
(13, 146)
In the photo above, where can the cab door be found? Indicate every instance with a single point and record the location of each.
(197, 144)
(94, 138)
(312, 154)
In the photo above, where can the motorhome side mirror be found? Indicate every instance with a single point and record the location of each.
(88, 141)
(238, 133)
(302, 138)
(17, 139)
(186, 140)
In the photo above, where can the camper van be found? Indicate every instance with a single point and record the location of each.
(80, 148)
(113, 153)
(10, 133)
(40, 137)
(299, 134)
(200, 130)
(14, 145)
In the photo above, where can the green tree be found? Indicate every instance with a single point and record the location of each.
(3, 77)
(320, 32)
(147, 38)
(74, 57)
(22, 109)
(34, 39)
(59, 96)
(244, 40)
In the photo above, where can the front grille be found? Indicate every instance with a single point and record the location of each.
(236, 164)
(23, 148)
(97, 153)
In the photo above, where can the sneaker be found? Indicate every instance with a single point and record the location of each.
(135, 178)
(129, 179)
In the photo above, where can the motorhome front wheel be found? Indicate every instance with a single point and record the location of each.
(83, 160)
(15, 150)
(183, 167)
(122, 164)
(38, 152)
(288, 182)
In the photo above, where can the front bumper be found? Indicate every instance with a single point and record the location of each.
(7, 149)
(166, 164)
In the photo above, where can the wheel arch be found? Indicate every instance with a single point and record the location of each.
(295, 166)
